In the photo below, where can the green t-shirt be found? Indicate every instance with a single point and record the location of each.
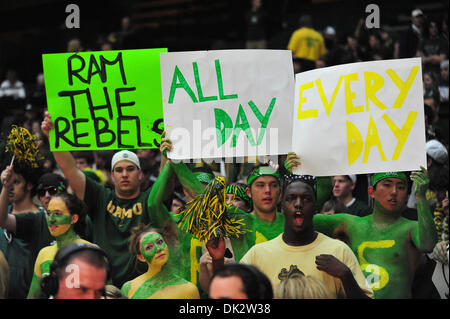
(21, 249)
(265, 230)
(20, 265)
(32, 228)
(112, 220)
(359, 208)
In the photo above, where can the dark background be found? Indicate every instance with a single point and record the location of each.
(29, 28)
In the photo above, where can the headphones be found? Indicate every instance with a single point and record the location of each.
(50, 283)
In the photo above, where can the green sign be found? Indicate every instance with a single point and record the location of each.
(105, 99)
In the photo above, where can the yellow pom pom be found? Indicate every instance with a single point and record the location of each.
(23, 146)
(206, 216)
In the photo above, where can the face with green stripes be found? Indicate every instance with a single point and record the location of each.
(59, 219)
(154, 249)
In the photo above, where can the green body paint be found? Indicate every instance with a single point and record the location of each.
(58, 220)
(158, 244)
(386, 245)
(35, 291)
(35, 288)
(69, 235)
(159, 281)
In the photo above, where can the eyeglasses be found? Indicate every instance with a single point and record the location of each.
(52, 190)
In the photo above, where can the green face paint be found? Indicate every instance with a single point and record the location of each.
(151, 243)
(58, 220)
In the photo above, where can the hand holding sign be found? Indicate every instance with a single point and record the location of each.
(47, 124)
(292, 161)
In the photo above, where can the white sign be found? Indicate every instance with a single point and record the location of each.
(360, 118)
(228, 103)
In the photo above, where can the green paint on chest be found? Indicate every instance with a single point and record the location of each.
(158, 282)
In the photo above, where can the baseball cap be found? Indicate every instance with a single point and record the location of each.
(53, 183)
(352, 178)
(437, 151)
(51, 179)
(125, 155)
(444, 64)
(416, 12)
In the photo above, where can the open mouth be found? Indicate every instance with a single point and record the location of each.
(298, 218)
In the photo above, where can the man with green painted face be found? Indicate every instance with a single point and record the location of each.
(387, 245)
(263, 187)
(114, 212)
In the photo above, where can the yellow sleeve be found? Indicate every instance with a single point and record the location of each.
(292, 45)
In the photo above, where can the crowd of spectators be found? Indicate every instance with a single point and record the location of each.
(24, 104)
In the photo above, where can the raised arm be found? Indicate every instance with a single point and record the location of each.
(324, 188)
(215, 257)
(7, 221)
(157, 195)
(424, 234)
(187, 179)
(35, 288)
(66, 162)
(324, 184)
(328, 224)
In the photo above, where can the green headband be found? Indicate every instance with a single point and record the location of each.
(239, 191)
(380, 176)
(203, 177)
(262, 171)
